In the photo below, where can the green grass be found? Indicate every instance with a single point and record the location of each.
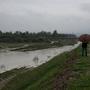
(11, 45)
(34, 46)
(13, 72)
(81, 70)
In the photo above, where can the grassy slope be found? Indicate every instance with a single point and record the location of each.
(81, 70)
(41, 78)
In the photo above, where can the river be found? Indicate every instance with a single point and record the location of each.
(12, 59)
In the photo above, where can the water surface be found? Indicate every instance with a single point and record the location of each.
(12, 59)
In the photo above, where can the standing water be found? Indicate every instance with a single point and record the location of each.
(12, 59)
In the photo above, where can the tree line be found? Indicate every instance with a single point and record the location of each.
(43, 36)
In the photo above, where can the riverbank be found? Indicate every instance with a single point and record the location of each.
(35, 46)
(70, 65)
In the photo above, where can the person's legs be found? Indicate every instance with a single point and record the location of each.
(82, 51)
(85, 51)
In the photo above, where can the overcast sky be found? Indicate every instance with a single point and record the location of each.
(65, 16)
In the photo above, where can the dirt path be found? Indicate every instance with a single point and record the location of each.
(61, 80)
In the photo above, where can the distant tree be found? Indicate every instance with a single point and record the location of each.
(0, 32)
(42, 36)
(55, 33)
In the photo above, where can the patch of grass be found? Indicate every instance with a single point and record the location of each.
(33, 46)
(13, 72)
(10, 45)
(81, 79)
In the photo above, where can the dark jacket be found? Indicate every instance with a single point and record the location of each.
(84, 44)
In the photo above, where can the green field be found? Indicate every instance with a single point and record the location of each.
(74, 69)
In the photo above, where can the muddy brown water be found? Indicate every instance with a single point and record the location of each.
(12, 59)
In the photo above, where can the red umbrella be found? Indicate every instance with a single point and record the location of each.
(84, 38)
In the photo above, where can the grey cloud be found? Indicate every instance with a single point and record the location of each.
(85, 7)
(37, 15)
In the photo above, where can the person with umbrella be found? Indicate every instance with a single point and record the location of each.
(84, 48)
(84, 39)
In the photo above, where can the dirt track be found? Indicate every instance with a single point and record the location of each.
(61, 80)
